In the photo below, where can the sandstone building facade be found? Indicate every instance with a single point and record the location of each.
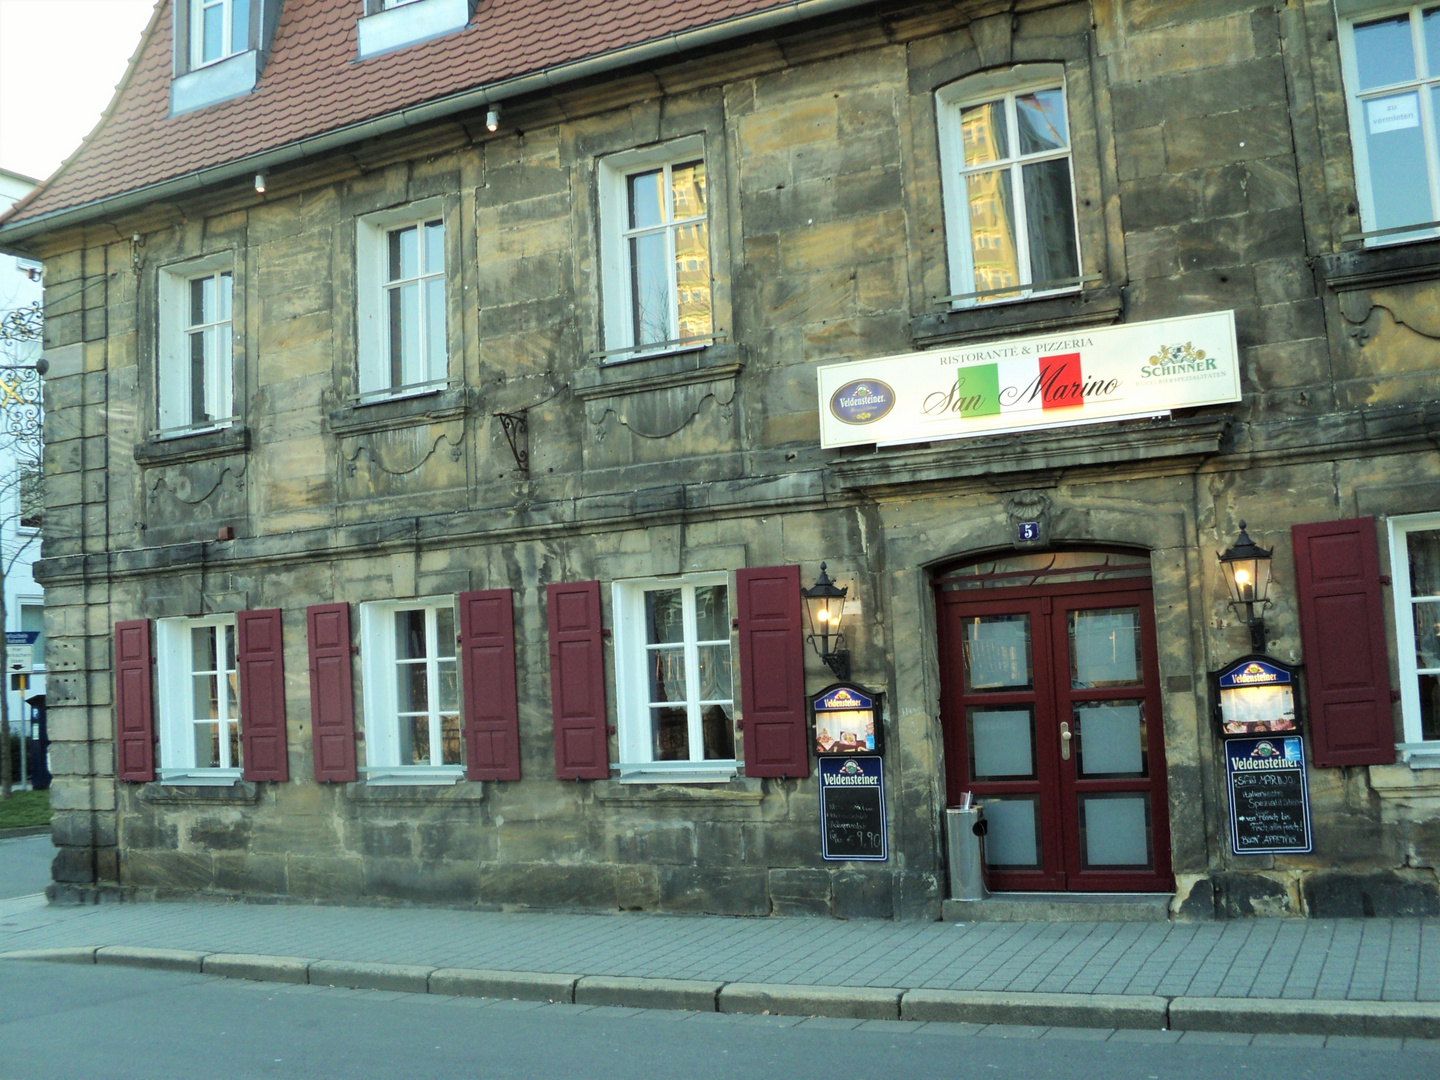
(434, 448)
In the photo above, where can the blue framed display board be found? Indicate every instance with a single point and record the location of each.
(1269, 796)
(852, 809)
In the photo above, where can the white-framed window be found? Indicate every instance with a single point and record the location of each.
(1415, 576)
(1391, 61)
(411, 690)
(195, 375)
(1009, 186)
(198, 699)
(674, 687)
(655, 250)
(218, 29)
(400, 275)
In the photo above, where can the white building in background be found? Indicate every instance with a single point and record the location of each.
(20, 287)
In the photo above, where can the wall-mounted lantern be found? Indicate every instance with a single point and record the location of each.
(1247, 569)
(825, 607)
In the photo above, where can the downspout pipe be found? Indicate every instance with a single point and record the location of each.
(547, 78)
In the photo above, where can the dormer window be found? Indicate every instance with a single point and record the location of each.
(393, 24)
(218, 29)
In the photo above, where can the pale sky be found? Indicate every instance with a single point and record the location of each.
(60, 61)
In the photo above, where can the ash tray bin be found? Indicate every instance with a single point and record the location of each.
(965, 829)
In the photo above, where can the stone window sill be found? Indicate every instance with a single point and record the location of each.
(420, 793)
(400, 26)
(739, 789)
(214, 83)
(386, 413)
(181, 791)
(208, 444)
(1093, 307)
(708, 364)
(1345, 271)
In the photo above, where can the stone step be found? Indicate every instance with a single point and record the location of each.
(1060, 907)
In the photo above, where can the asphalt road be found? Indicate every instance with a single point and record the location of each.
(25, 865)
(62, 1021)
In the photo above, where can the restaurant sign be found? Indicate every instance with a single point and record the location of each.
(1111, 373)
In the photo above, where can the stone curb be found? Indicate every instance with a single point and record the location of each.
(1393, 1019)
(1396, 1019)
(524, 985)
(850, 1002)
(407, 978)
(647, 993)
(1049, 1010)
(160, 959)
(24, 830)
(284, 969)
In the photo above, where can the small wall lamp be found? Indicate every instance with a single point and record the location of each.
(260, 183)
(1247, 570)
(825, 607)
(492, 119)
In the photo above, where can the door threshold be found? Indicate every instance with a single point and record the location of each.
(1060, 907)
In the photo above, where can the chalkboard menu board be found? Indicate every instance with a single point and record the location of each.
(1269, 795)
(852, 809)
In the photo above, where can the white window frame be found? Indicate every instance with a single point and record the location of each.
(974, 90)
(227, 32)
(173, 371)
(1361, 11)
(175, 701)
(1416, 749)
(381, 693)
(632, 697)
(373, 310)
(612, 173)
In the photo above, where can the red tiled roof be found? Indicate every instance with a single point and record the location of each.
(312, 83)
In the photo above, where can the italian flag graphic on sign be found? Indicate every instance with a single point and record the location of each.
(1020, 385)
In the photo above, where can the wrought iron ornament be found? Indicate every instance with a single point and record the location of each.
(20, 384)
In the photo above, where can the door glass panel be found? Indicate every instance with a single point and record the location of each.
(1104, 648)
(997, 652)
(1002, 744)
(1013, 840)
(1110, 738)
(1115, 830)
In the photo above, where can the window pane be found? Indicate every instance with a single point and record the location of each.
(413, 688)
(199, 345)
(715, 684)
(197, 301)
(1013, 839)
(450, 739)
(206, 700)
(207, 746)
(445, 631)
(1384, 52)
(228, 632)
(1429, 707)
(646, 194)
(1104, 648)
(670, 734)
(434, 247)
(667, 675)
(1110, 738)
(240, 26)
(1427, 635)
(404, 332)
(1050, 220)
(1041, 119)
(202, 648)
(992, 230)
(1115, 830)
(435, 328)
(1399, 175)
(414, 740)
(692, 277)
(687, 185)
(213, 33)
(449, 686)
(235, 759)
(650, 289)
(718, 731)
(997, 652)
(410, 634)
(1424, 551)
(226, 290)
(664, 617)
(982, 130)
(1002, 743)
(712, 613)
(1432, 40)
(404, 254)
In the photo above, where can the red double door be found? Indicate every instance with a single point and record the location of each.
(1051, 713)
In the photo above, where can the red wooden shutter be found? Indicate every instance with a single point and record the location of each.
(577, 681)
(332, 693)
(1342, 629)
(487, 657)
(134, 703)
(261, 669)
(772, 672)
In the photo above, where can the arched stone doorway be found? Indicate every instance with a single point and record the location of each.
(1051, 716)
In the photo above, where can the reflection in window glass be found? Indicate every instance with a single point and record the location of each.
(1104, 648)
(997, 652)
(688, 673)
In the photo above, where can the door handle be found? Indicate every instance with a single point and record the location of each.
(1065, 738)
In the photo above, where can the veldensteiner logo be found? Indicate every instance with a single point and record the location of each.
(862, 402)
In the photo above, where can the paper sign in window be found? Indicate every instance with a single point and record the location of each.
(1393, 113)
